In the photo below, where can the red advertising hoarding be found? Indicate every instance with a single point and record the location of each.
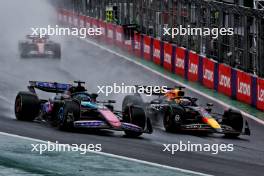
(208, 73)
(224, 79)
(260, 94)
(193, 65)
(156, 51)
(147, 47)
(137, 47)
(243, 92)
(167, 64)
(180, 61)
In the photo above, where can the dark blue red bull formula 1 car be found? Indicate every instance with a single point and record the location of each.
(74, 107)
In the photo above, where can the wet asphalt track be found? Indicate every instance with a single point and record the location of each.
(82, 61)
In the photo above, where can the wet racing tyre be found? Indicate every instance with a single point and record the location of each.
(69, 113)
(136, 116)
(27, 106)
(233, 119)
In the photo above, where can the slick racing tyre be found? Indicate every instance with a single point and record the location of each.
(233, 119)
(172, 121)
(27, 106)
(69, 113)
(136, 116)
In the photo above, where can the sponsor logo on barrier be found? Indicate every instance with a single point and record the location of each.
(103, 30)
(193, 68)
(70, 19)
(225, 81)
(81, 23)
(243, 88)
(128, 42)
(208, 74)
(180, 63)
(110, 34)
(88, 25)
(119, 37)
(75, 21)
(147, 49)
(167, 58)
(156, 52)
(137, 45)
(260, 94)
(65, 18)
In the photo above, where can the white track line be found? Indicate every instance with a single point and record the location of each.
(114, 156)
(175, 81)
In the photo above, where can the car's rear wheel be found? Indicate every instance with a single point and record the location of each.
(69, 113)
(27, 106)
(233, 119)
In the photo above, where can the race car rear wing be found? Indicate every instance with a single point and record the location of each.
(37, 36)
(160, 91)
(52, 87)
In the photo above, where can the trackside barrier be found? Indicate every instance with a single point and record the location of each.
(119, 37)
(138, 41)
(180, 61)
(229, 81)
(70, 18)
(209, 73)
(94, 25)
(60, 15)
(243, 87)
(260, 94)
(193, 66)
(102, 25)
(158, 52)
(168, 56)
(224, 79)
(75, 17)
(82, 23)
(147, 47)
(110, 33)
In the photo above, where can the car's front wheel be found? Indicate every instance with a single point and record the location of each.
(69, 113)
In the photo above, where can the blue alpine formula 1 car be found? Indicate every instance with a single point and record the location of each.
(74, 107)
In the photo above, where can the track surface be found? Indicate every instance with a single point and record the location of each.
(82, 61)
(97, 67)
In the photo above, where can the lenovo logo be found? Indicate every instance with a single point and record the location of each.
(209, 75)
(225, 81)
(260, 94)
(146, 49)
(243, 88)
(156, 53)
(167, 58)
(193, 68)
(180, 63)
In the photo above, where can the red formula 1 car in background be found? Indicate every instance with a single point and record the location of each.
(36, 46)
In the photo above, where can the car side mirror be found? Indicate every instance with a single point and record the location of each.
(111, 101)
(155, 102)
(209, 104)
(94, 95)
(194, 99)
